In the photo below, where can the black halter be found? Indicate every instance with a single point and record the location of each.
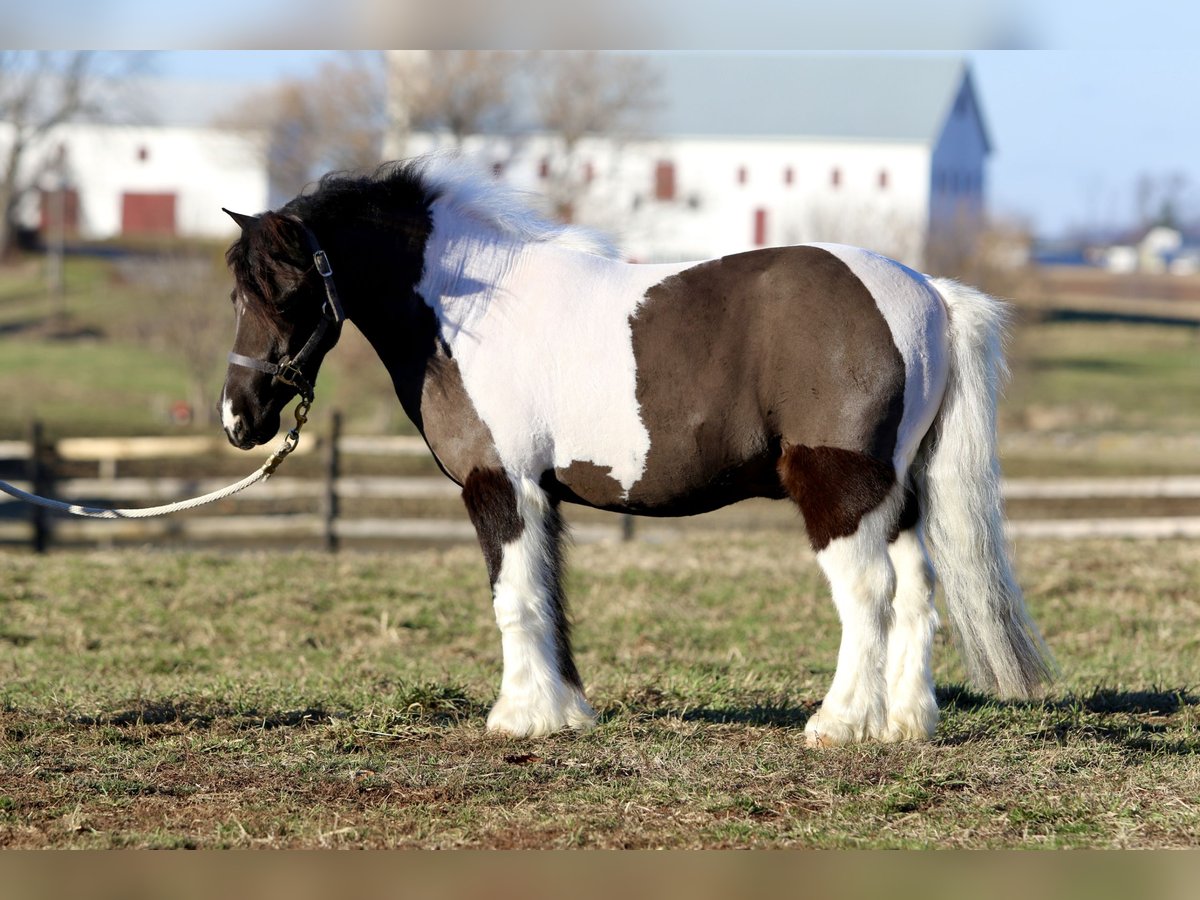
(288, 369)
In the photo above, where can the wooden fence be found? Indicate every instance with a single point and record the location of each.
(322, 494)
(313, 508)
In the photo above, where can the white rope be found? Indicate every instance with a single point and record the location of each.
(92, 512)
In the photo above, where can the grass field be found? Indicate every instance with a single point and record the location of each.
(161, 700)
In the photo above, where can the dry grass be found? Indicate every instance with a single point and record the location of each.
(161, 700)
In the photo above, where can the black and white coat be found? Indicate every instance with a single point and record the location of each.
(541, 369)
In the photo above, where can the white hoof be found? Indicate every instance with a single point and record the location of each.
(826, 729)
(537, 718)
(917, 723)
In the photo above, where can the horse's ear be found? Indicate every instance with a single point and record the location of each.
(243, 221)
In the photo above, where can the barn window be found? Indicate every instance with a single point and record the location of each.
(664, 181)
(143, 153)
(544, 168)
(788, 175)
(835, 177)
(883, 179)
(742, 175)
(760, 227)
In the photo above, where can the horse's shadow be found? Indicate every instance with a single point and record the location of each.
(170, 712)
(1136, 721)
(1131, 719)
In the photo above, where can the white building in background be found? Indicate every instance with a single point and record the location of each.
(143, 181)
(751, 151)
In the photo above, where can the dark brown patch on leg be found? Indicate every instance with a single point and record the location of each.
(834, 489)
(556, 541)
(491, 503)
(910, 514)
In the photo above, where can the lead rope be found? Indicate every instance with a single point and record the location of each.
(290, 441)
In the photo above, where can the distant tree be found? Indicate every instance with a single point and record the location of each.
(582, 94)
(40, 90)
(333, 120)
(1160, 199)
(465, 92)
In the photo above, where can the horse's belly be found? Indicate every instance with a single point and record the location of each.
(694, 485)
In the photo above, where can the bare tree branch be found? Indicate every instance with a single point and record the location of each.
(581, 94)
(333, 120)
(465, 92)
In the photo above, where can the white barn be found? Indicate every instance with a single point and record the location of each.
(143, 180)
(885, 152)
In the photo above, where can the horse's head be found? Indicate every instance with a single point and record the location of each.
(288, 318)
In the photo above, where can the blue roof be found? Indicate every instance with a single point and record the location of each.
(900, 98)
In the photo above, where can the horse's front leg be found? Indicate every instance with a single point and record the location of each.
(521, 533)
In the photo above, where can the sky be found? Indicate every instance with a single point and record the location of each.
(1074, 131)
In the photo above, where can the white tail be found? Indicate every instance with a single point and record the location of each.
(963, 511)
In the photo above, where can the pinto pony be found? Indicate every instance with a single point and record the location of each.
(541, 369)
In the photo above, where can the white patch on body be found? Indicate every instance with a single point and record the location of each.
(916, 316)
(534, 699)
(542, 338)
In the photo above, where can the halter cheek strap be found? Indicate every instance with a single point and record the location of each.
(288, 369)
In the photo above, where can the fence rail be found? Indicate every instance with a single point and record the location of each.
(325, 519)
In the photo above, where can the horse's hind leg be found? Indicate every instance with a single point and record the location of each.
(912, 704)
(850, 505)
(521, 533)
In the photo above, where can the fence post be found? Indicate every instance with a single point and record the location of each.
(627, 527)
(332, 467)
(40, 474)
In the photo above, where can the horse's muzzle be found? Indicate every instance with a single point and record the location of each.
(243, 434)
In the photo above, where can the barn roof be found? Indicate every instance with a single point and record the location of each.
(898, 98)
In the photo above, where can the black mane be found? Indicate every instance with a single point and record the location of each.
(375, 197)
(348, 213)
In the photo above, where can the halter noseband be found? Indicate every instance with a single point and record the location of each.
(288, 369)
